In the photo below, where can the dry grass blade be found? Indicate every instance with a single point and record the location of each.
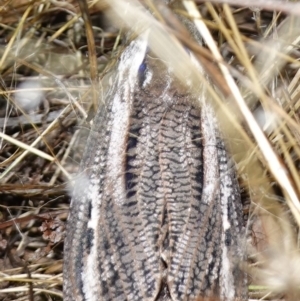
(291, 8)
(278, 170)
(40, 137)
(26, 147)
(17, 31)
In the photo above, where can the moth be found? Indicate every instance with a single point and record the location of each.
(156, 214)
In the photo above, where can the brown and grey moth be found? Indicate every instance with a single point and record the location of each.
(159, 215)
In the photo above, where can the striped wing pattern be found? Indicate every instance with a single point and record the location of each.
(156, 213)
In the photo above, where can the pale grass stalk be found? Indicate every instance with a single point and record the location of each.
(276, 168)
(16, 32)
(33, 144)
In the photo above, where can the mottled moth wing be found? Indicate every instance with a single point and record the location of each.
(156, 213)
(102, 259)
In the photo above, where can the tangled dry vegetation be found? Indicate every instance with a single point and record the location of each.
(52, 64)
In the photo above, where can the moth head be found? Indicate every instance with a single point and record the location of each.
(156, 78)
